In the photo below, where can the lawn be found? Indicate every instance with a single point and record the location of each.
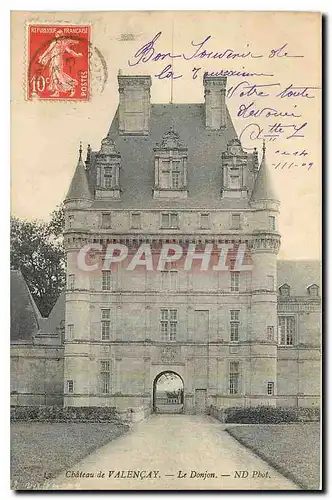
(40, 451)
(293, 449)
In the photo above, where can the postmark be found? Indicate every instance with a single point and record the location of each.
(59, 62)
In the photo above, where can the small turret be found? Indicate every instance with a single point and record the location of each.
(263, 186)
(79, 189)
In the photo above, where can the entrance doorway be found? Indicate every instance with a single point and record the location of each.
(168, 393)
(200, 400)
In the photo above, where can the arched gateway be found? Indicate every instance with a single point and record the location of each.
(168, 393)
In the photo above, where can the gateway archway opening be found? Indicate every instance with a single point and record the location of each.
(168, 393)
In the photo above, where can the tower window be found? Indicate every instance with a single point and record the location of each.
(236, 221)
(106, 220)
(105, 376)
(169, 279)
(70, 331)
(235, 281)
(105, 324)
(270, 333)
(106, 281)
(286, 330)
(168, 324)
(136, 220)
(71, 281)
(205, 221)
(70, 386)
(234, 377)
(272, 223)
(169, 221)
(234, 325)
(270, 388)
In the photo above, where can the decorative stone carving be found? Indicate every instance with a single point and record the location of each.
(170, 167)
(170, 353)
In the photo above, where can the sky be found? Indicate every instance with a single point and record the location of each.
(46, 135)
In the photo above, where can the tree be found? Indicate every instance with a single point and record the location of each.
(37, 251)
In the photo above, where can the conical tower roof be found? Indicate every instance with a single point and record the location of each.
(263, 187)
(79, 188)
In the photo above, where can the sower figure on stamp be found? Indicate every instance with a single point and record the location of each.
(53, 57)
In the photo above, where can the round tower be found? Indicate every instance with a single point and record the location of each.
(76, 358)
(265, 245)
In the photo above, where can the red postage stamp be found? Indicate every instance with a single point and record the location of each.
(58, 62)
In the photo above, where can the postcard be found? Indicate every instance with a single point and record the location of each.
(166, 250)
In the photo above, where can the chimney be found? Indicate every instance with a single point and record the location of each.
(215, 102)
(134, 104)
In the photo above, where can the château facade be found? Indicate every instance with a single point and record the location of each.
(177, 174)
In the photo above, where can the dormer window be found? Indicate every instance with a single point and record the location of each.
(234, 165)
(170, 167)
(234, 178)
(108, 170)
(284, 290)
(108, 177)
(313, 290)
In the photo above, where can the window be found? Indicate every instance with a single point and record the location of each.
(313, 290)
(284, 290)
(70, 332)
(106, 281)
(105, 376)
(235, 280)
(205, 221)
(286, 330)
(70, 221)
(272, 223)
(106, 220)
(234, 178)
(234, 325)
(168, 324)
(175, 180)
(71, 281)
(270, 333)
(234, 377)
(236, 221)
(105, 324)
(270, 282)
(108, 177)
(70, 386)
(169, 220)
(270, 388)
(169, 280)
(136, 221)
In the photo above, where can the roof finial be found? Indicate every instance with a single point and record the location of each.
(264, 147)
(80, 152)
(88, 156)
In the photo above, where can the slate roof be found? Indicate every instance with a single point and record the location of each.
(79, 188)
(299, 274)
(263, 186)
(25, 318)
(204, 160)
(56, 318)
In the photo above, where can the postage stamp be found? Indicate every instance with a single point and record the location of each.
(58, 62)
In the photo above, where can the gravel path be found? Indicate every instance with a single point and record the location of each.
(173, 452)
